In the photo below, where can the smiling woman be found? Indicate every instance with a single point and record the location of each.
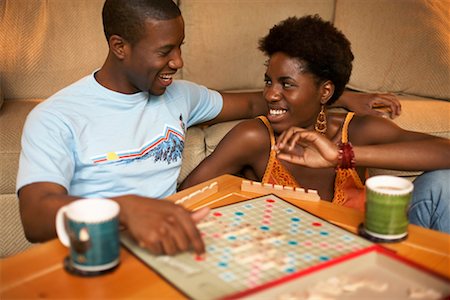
(299, 143)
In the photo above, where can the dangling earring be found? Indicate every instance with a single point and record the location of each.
(321, 123)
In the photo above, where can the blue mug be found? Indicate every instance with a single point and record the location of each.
(90, 228)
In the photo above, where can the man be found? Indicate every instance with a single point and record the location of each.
(118, 133)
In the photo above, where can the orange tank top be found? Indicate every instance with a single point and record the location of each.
(349, 191)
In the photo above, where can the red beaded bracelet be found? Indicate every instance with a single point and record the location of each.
(346, 157)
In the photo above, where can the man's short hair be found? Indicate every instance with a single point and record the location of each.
(126, 18)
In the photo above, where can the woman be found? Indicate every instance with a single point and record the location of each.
(299, 143)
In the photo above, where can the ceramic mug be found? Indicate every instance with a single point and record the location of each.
(387, 203)
(90, 228)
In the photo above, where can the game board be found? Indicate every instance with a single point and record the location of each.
(251, 243)
(371, 273)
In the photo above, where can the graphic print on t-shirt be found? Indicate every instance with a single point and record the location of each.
(183, 126)
(167, 147)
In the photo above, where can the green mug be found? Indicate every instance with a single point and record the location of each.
(90, 228)
(387, 203)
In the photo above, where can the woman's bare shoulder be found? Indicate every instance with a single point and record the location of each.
(251, 129)
(252, 136)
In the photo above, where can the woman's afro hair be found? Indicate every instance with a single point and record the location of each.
(323, 50)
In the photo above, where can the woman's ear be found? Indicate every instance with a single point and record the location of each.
(117, 45)
(327, 91)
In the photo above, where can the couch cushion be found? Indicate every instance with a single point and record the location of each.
(222, 38)
(194, 151)
(12, 118)
(13, 238)
(424, 115)
(399, 46)
(46, 45)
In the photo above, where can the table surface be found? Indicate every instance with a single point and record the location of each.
(38, 272)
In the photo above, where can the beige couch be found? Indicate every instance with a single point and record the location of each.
(400, 46)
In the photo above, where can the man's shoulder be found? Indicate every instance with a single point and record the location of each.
(183, 90)
(66, 97)
(77, 88)
(180, 83)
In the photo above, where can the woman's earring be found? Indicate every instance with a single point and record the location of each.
(321, 123)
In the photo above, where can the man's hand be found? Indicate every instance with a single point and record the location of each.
(161, 226)
(377, 104)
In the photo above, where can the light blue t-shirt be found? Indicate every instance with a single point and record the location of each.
(99, 143)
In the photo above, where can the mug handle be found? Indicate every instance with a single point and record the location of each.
(61, 226)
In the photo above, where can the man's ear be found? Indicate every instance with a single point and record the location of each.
(327, 91)
(117, 45)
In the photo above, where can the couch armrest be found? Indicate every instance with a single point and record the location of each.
(13, 238)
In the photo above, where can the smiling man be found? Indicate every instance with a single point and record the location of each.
(119, 132)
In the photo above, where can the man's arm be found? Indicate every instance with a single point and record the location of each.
(237, 106)
(38, 204)
(158, 225)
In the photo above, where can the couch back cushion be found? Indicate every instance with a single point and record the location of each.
(400, 46)
(222, 38)
(46, 45)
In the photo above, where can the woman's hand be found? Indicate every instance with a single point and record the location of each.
(306, 148)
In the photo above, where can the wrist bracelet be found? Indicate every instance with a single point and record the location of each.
(346, 157)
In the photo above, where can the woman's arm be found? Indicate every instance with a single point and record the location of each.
(380, 143)
(377, 143)
(240, 147)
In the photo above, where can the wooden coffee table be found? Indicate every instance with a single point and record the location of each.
(39, 273)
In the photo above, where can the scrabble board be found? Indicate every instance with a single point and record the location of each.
(249, 244)
(372, 273)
